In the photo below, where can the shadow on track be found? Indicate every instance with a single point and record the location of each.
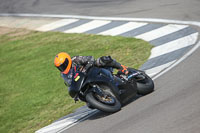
(101, 114)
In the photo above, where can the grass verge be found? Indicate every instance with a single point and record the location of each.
(32, 93)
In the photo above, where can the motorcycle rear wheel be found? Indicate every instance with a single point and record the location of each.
(92, 99)
(145, 86)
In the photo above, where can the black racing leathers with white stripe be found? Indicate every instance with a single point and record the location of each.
(104, 61)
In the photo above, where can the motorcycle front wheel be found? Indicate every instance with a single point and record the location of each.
(107, 103)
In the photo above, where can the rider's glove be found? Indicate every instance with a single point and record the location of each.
(124, 70)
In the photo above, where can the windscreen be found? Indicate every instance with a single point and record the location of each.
(68, 77)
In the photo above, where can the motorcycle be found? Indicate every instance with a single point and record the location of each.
(105, 91)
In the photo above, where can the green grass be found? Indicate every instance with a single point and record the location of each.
(32, 93)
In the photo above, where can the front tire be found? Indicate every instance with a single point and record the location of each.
(94, 102)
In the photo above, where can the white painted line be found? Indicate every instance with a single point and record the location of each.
(174, 45)
(153, 71)
(123, 28)
(80, 120)
(59, 125)
(157, 33)
(88, 26)
(54, 128)
(56, 24)
(102, 18)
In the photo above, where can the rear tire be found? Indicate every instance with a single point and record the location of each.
(145, 86)
(92, 100)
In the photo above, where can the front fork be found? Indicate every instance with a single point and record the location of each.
(93, 88)
(97, 90)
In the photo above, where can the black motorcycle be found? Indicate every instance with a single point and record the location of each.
(103, 90)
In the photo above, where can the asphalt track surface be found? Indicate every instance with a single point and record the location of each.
(165, 9)
(175, 105)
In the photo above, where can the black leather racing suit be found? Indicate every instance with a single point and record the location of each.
(104, 61)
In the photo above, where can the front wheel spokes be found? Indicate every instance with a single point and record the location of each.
(106, 99)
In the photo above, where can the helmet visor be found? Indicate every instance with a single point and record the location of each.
(63, 66)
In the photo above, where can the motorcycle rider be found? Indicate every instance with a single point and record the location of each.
(66, 64)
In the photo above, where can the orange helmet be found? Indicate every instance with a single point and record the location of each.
(63, 62)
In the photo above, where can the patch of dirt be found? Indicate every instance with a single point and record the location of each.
(13, 32)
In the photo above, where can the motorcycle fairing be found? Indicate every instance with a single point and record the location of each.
(122, 90)
(101, 76)
(77, 81)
